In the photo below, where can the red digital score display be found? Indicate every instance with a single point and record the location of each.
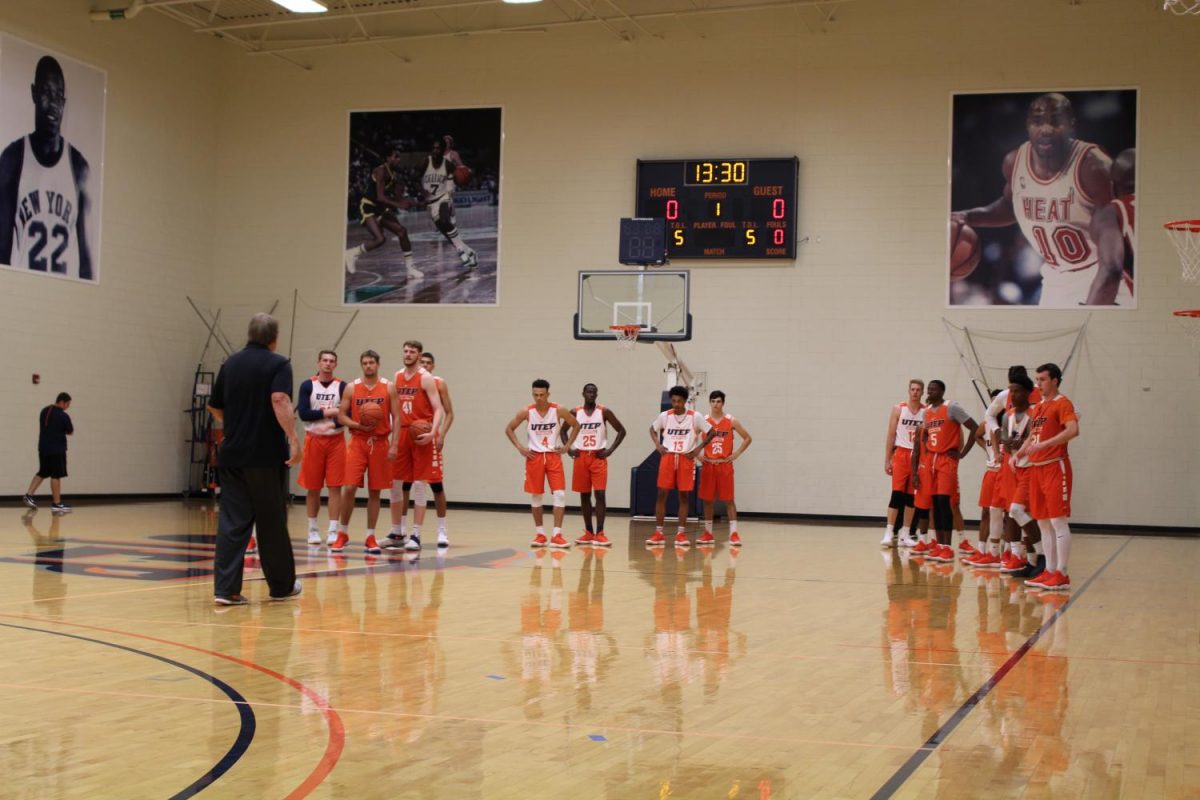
(722, 208)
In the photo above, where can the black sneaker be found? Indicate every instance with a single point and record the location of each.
(60, 508)
(230, 599)
(296, 589)
(1031, 570)
(29, 501)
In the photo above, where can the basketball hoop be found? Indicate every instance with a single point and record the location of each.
(1190, 320)
(1182, 7)
(1185, 235)
(626, 335)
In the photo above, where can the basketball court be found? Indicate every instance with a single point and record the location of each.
(489, 670)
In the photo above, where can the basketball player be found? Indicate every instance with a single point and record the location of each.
(1013, 489)
(1053, 184)
(990, 520)
(420, 489)
(543, 458)
(589, 471)
(44, 199)
(377, 209)
(903, 424)
(415, 398)
(935, 465)
(368, 451)
(1112, 230)
(1053, 423)
(716, 474)
(438, 183)
(679, 434)
(324, 462)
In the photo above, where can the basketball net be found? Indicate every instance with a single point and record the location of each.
(626, 335)
(1182, 7)
(1190, 322)
(1185, 235)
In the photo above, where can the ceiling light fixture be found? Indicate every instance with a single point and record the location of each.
(302, 6)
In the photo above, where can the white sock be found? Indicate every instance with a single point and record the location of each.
(1062, 533)
(540, 529)
(681, 529)
(441, 524)
(408, 259)
(312, 525)
(557, 530)
(333, 526)
(733, 526)
(370, 533)
(397, 530)
(1050, 542)
(708, 526)
(341, 528)
(1018, 549)
(416, 531)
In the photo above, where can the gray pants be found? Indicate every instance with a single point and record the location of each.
(254, 496)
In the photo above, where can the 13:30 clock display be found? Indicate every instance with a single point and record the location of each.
(722, 208)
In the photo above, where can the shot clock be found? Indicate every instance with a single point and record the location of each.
(722, 208)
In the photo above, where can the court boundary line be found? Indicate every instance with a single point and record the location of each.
(910, 766)
(246, 731)
(337, 730)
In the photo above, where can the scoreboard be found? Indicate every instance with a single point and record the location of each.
(722, 208)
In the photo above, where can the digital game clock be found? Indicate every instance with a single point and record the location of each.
(722, 208)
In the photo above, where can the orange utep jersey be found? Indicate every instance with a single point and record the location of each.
(414, 403)
(721, 444)
(360, 395)
(944, 434)
(1048, 419)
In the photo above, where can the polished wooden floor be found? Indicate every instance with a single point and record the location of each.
(809, 665)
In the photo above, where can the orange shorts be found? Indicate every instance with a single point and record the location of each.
(437, 467)
(676, 472)
(1050, 489)
(902, 470)
(939, 475)
(368, 455)
(324, 461)
(589, 472)
(716, 481)
(414, 462)
(987, 490)
(543, 468)
(1013, 488)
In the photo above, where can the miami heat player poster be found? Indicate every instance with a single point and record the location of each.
(52, 162)
(1043, 199)
(422, 212)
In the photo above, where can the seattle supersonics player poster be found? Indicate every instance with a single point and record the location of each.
(422, 209)
(52, 162)
(1043, 200)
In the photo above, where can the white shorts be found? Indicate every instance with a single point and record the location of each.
(435, 208)
(1062, 289)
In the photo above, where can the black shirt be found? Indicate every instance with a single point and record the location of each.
(243, 391)
(53, 426)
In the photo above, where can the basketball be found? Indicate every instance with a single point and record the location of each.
(420, 426)
(370, 414)
(462, 175)
(964, 250)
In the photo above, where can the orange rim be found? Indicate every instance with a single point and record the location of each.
(1193, 312)
(628, 330)
(1186, 225)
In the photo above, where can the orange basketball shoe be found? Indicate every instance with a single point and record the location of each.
(735, 540)
(587, 538)
(371, 546)
(600, 540)
(559, 541)
(681, 540)
(706, 538)
(252, 548)
(539, 540)
(657, 540)
(922, 548)
(966, 548)
(339, 544)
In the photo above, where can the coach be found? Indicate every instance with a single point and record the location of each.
(253, 397)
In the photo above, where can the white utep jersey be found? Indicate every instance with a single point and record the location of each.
(1055, 214)
(543, 430)
(679, 432)
(45, 224)
(1016, 426)
(909, 424)
(593, 433)
(323, 397)
(438, 181)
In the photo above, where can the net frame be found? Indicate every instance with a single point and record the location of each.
(1189, 320)
(1185, 235)
(626, 336)
(1182, 7)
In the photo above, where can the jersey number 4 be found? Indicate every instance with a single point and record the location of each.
(37, 230)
